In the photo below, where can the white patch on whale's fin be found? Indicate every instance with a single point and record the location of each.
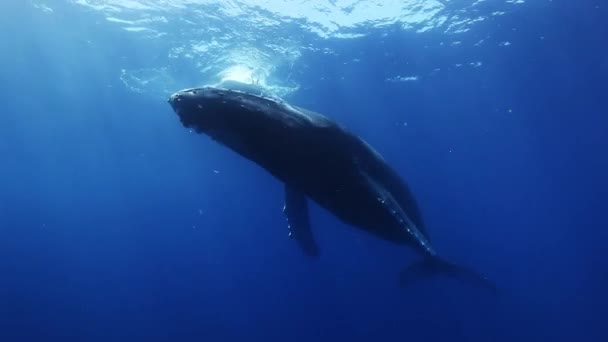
(393, 207)
(386, 178)
(298, 221)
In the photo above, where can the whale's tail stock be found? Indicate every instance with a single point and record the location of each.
(432, 266)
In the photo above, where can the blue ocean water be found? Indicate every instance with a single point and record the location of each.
(118, 224)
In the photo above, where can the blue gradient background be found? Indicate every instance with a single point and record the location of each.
(115, 227)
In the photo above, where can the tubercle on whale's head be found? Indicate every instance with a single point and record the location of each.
(199, 108)
(208, 108)
(233, 117)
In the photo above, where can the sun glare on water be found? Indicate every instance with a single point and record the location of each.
(243, 74)
(257, 75)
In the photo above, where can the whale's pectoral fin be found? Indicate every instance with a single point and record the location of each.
(298, 221)
(432, 264)
(392, 207)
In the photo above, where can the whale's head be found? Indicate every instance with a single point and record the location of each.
(207, 108)
(233, 117)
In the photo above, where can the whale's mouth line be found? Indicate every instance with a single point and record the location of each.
(179, 112)
(185, 122)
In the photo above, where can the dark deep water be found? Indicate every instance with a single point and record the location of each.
(116, 224)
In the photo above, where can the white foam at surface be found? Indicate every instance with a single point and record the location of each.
(325, 18)
(219, 37)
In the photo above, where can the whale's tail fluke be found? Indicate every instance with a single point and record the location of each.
(432, 266)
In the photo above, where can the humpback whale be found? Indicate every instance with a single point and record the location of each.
(318, 159)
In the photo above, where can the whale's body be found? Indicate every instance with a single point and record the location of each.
(315, 158)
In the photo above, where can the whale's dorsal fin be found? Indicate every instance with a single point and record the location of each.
(298, 221)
